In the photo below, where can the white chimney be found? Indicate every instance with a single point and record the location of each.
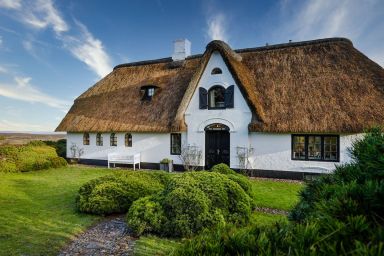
(181, 50)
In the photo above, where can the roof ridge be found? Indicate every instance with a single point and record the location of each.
(251, 49)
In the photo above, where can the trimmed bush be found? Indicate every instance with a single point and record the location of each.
(146, 216)
(223, 169)
(192, 202)
(116, 192)
(31, 157)
(58, 162)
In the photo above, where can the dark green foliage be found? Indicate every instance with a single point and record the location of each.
(115, 193)
(146, 215)
(339, 214)
(192, 202)
(223, 169)
(60, 146)
(31, 157)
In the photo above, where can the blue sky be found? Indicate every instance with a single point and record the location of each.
(51, 51)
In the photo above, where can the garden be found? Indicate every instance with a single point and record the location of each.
(214, 212)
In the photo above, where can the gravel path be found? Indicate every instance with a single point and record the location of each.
(109, 237)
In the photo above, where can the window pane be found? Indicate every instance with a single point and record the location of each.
(330, 148)
(86, 138)
(113, 139)
(175, 143)
(314, 147)
(217, 97)
(298, 150)
(128, 140)
(99, 139)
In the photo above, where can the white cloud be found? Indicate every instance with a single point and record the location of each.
(89, 50)
(10, 4)
(43, 14)
(217, 27)
(360, 21)
(83, 46)
(6, 125)
(22, 89)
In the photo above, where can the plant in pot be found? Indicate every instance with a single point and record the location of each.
(166, 164)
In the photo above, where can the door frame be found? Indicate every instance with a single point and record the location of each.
(219, 127)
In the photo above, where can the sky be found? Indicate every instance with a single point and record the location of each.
(51, 51)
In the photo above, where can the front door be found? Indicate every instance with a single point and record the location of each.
(217, 143)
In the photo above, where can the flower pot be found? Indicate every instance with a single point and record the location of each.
(167, 166)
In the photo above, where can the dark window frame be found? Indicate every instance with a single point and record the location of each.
(113, 140)
(86, 139)
(99, 139)
(171, 143)
(128, 140)
(216, 71)
(322, 147)
(209, 96)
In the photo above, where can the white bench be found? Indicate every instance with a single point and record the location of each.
(124, 158)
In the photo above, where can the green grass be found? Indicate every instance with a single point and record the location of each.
(38, 215)
(37, 209)
(152, 245)
(265, 219)
(275, 194)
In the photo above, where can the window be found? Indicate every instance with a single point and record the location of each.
(315, 147)
(175, 143)
(216, 97)
(113, 139)
(128, 140)
(149, 92)
(216, 71)
(86, 138)
(99, 139)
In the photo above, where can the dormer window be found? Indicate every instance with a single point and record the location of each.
(149, 92)
(216, 71)
(216, 97)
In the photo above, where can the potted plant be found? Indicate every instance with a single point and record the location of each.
(166, 164)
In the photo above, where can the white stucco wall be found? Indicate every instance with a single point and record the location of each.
(152, 146)
(273, 152)
(237, 118)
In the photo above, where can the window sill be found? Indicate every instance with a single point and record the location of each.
(316, 160)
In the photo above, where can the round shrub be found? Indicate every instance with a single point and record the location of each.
(58, 162)
(115, 193)
(7, 166)
(192, 202)
(223, 169)
(145, 216)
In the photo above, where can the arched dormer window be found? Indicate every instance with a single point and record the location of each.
(99, 139)
(216, 97)
(113, 139)
(86, 138)
(216, 71)
(128, 140)
(148, 92)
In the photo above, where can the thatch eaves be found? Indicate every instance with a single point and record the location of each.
(314, 86)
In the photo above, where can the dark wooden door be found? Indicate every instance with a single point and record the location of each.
(217, 145)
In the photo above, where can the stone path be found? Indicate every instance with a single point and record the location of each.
(109, 237)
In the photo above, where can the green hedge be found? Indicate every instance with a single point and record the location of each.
(115, 193)
(338, 214)
(189, 203)
(33, 156)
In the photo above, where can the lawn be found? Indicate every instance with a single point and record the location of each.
(276, 194)
(37, 209)
(38, 215)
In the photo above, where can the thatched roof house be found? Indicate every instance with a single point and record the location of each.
(296, 104)
(314, 86)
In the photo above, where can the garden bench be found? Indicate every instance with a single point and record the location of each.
(124, 158)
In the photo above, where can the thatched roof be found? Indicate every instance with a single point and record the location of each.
(314, 86)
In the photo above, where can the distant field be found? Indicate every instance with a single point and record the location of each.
(24, 138)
